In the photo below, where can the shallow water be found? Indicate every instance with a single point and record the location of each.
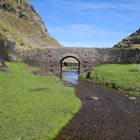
(70, 77)
(105, 114)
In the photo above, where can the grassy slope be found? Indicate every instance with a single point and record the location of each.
(33, 107)
(136, 46)
(26, 33)
(132, 41)
(125, 77)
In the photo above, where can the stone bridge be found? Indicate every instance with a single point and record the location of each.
(51, 58)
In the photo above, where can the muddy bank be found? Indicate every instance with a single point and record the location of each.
(104, 115)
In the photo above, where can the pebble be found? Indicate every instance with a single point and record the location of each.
(132, 98)
(126, 95)
(92, 97)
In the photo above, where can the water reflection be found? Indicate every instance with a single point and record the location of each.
(70, 77)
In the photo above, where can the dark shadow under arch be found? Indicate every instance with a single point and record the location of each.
(61, 62)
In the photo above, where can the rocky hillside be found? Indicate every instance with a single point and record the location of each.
(132, 41)
(20, 21)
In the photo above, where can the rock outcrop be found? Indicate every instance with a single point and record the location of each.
(19, 19)
(3, 54)
(7, 51)
(132, 41)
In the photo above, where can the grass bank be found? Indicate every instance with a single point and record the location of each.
(33, 107)
(125, 77)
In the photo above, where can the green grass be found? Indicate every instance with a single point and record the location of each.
(33, 107)
(126, 77)
(65, 68)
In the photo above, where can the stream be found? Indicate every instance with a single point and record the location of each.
(105, 114)
(70, 77)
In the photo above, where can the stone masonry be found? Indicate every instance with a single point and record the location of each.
(51, 58)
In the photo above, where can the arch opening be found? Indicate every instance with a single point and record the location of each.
(69, 63)
(70, 68)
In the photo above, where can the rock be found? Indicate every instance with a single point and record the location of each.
(126, 95)
(12, 13)
(7, 48)
(42, 72)
(19, 1)
(24, 16)
(7, 6)
(10, 44)
(12, 58)
(2, 54)
(1, 5)
(131, 41)
(92, 97)
(32, 9)
(10, 48)
(132, 98)
(4, 68)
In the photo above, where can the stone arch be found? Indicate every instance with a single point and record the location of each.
(71, 55)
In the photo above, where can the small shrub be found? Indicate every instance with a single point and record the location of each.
(18, 5)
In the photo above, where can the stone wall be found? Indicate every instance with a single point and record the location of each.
(50, 58)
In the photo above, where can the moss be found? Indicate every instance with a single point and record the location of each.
(18, 5)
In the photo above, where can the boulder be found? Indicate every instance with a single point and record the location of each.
(24, 16)
(1, 49)
(7, 48)
(4, 67)
(1, 5)
(10, 48)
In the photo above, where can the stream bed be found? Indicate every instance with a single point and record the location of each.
(70, 77)
(106, 114)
